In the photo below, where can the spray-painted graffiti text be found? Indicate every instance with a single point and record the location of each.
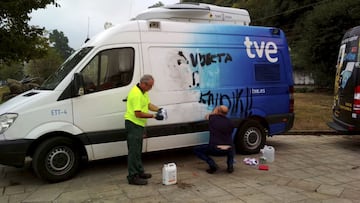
(209, 58)
(238, 101)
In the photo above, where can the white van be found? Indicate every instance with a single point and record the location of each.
(198, 61)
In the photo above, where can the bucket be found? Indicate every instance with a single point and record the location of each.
(169, 174)
(269, 153)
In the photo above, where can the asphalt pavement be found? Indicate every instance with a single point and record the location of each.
(307, 168)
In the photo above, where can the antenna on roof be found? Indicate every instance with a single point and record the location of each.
(88, 31)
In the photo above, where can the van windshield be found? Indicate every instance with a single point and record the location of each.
(53, 80)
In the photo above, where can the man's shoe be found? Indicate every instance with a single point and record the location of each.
(137, 181)
(145, 175)
(211, 170)
(230, 169)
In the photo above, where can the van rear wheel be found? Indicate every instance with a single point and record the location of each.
(250, 138)
(56, 159)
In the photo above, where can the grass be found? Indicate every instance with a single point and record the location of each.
(312, 111)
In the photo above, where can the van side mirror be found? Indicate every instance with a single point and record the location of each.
(78, 84)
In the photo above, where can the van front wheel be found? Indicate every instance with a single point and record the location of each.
(250, 138)
(56, 159)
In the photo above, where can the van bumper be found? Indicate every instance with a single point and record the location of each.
(336, 127)
(13, 152)
(287, 119)
(342, 127)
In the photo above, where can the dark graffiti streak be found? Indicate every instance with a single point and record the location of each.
(208, 59)
(239, 101)
(204, 59)
(197, 84)
(181, 54)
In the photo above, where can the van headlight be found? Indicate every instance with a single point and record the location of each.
(6, 120)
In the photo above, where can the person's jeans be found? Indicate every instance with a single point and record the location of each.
(205, 151)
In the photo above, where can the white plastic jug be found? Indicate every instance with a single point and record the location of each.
(169, 174)
(269, 153)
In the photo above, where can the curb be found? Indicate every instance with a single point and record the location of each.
(312, 132)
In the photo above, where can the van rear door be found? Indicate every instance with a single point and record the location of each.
(346, 107)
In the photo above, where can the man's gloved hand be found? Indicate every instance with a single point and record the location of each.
(161, 114)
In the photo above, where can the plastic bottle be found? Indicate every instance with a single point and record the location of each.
(269, 153)
(169, 174)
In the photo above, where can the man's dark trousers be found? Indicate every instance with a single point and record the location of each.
(205, 151)
(135, 135)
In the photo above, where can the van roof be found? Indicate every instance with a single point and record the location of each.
(352, 31)
(196, 12)
(130, 32)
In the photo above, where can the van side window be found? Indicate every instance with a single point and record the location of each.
(109, 69)
(267, 72)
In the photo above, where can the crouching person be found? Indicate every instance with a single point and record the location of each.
(220, 142)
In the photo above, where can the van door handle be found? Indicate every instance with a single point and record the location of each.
(125, 100)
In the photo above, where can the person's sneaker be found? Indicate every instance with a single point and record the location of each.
(230, 169)
(137, 181)
(145, 175)
(211, 170)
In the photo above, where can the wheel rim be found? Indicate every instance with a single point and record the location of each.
(252, 138)
(60, 160)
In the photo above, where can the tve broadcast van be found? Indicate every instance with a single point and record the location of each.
(346, 107)
(200, 56)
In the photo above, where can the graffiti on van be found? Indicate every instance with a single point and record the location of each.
(206, 59)
(238, 101)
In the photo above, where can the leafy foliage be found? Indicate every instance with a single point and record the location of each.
(13, 70)
(58, 51)
(18, 40)
(60, 43)
(21, 43)
(321, 34)
(42, 68)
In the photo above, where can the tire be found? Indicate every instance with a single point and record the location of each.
(56, 159)
(250, 138)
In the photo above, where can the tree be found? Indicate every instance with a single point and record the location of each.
(13, 70)
(42, 68)
(18, 40)
(60, 42)
(321, 32)
(58, 51)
